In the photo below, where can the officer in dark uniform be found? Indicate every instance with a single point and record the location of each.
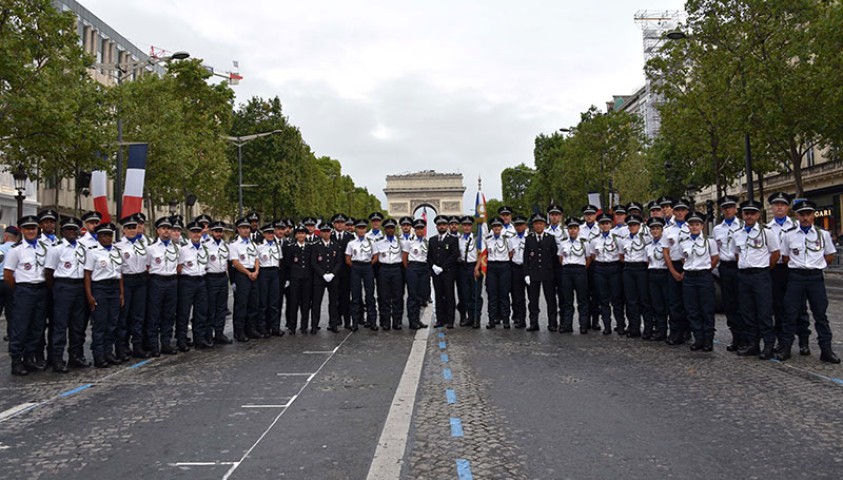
(254, 234)
(310, 224)
(343, 280)
(442, 257)
(418, 273)
(326, 260)
(519, 283)
(540, 257)
(301, 281)
(454, 226)
(390, 277)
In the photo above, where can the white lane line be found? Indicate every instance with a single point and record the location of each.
(200, 464)
(283, 411)
(294, 374)
(319, 352)
(264, 406)
(17, 410)
(389, 455)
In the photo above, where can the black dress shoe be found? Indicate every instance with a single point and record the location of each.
(60, 367)
(659, 337)
(804, 350)
(696, 346)
(490, 326)
(206, 344)
(373, 328)
(183, 347)
(386, 328)
(262, 333)
(277, 332)
(828, 356)
(552, 329)
(708, 346)
(221, 339)
(304, 330)
(438, 325)
(766, 353)
(646, 336)
(749, 351)
(168, 350)
(19, 370)
(782, 356)
(33, 365)
(140, 353)
(241, 337)
(333, 329)
(734, 346)
(583, 331)
(414, 326)
(154, 353)
(465, 323)
(397, 327)
(607, 331)
(422, 325)
(189, 342)
(475, 325)
(291, 331)
(633, 333)
(354, 328)
(519, 325)
(533, 328)
(621, 331)
(101, 363)
(314, 330)
(347, 327)
(110, 358)
(254, 335)
(566, 330)
(449, 326)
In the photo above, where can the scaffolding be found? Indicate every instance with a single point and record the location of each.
(654, 25)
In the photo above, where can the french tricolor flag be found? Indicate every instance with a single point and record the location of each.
(135, 174)
(99, 190)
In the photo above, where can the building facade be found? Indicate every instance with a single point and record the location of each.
(406, 193)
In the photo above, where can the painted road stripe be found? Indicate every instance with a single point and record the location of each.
(200, 464)
(442, 345)
(319, 352)
(456, 427)
(75, 390)
(264, 406)
(463, 469)
(294, 374)
(23, 407)
(441, 334)
(451, 396)
(446, 373)
(389, 454)
(444, 357)
(140, 364)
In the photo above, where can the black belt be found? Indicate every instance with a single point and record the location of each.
(110, 281)
(67, 280)
(191, 277)
(134, 275)
(635, 265)
(607, 264)
(729, 264)
(155, 276)
(217, 274)
(573, 266)
(271, 269)
(361, 264)
(390, 264)
(806, 271)
(420, 264)
(497, 261)
(753, 271)
(33, 285)
(697, 273)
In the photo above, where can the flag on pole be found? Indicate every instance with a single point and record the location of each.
(482, 228)
(424, 217)
(135, 175)
(99, 190)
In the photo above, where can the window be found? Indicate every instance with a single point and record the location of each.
(810, 156)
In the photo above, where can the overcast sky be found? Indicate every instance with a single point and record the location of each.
(397, 86)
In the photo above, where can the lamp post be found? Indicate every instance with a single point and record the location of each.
(750, 188)
(124, 70)
(240, 141)
(20, 185)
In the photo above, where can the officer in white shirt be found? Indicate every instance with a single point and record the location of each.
(91, 219)
(619, 221)
(589, 229)
(667, 205)
(130, 327)
(193, 292)
(498, 274)
(360, 255)
(244, 258)
(470, 299)
(807, 251)
(375, 233)
(505, 214)
(418, 273)
(104, 291)
(574, 259)
(217, 280)
(23, 272)
(700, 255)
(723, 234)
(675, 232)
(162, 258)
(519, 273)
(780, 224)
(756, 249)
(657, 279)
(269, 288)
(606, 252)
(635, 284)
(47, 219)
(64, 272)
(555, 226)
(390, 277)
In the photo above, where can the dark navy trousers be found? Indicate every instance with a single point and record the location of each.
(804, 285)
(104, 317)
(391, 294)
(69, 307)
(363, 284)
(659, 298)
(130, 327)
(636, 290)
(698, 295)
(608, 280)
(678, 320)
(575, 282)
(162, 301)
(245, 304)
(269, 293)
(756, 306)
(217, 301)
(28, 320)
(193, 297)
(498, 286)
(418, 276)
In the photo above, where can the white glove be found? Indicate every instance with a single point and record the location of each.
(527, 280)
(233, 287)
(436, 269)
(286, 284)
(328, 277)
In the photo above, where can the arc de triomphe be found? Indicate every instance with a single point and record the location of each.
(406, 193)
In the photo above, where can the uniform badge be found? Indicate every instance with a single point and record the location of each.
(103, 263)
(189, 264)
(818, 243)
(795, 251)
(319, 258)
(68, 265)
(126, 255)
(264, 257)
(353, 252)
(295, 259)
(158, 260)
(415, 251)
(213, 258)
(27, 266)
(532, 254)
(242, 256)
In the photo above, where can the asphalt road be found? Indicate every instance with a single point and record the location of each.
(489, 404)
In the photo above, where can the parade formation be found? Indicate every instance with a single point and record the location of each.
(645, 272)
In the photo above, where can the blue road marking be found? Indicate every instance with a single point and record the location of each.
(140, 364)
(444, 357)
(75, 390)
(446, 373)
(441, 334)
(442, 345)
(464, 469)
(451, 396)
(456, 427)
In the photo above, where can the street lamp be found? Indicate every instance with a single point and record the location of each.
(240, 141)
(174, 206)
(20, 185)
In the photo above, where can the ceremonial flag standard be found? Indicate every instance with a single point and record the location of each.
(99, 190)
(482, 229)
(135, 175)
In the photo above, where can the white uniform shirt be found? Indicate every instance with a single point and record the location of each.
(508, 231)
(807, 251)
(589, 232)
(416, 250)
(559, 232)
(406, 237)
(674, 235)
(606, 248)
(67, 260)
(89, 240)
(193, 259)
(754, 248)
(516, 244)
(217, 256)
(50, 242)
(134, 255)
(162, 259)
(698, 252)
(779, 230)
(724, 234)
(269, 255)
(361, 249)
(375, 235)
(573, 251)
(389, 251)
(104, 263)
(244, 251)
(655, 255)
(621, 230)
(497, 248)
(27, 262)
(468, 249)
(635, 247)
